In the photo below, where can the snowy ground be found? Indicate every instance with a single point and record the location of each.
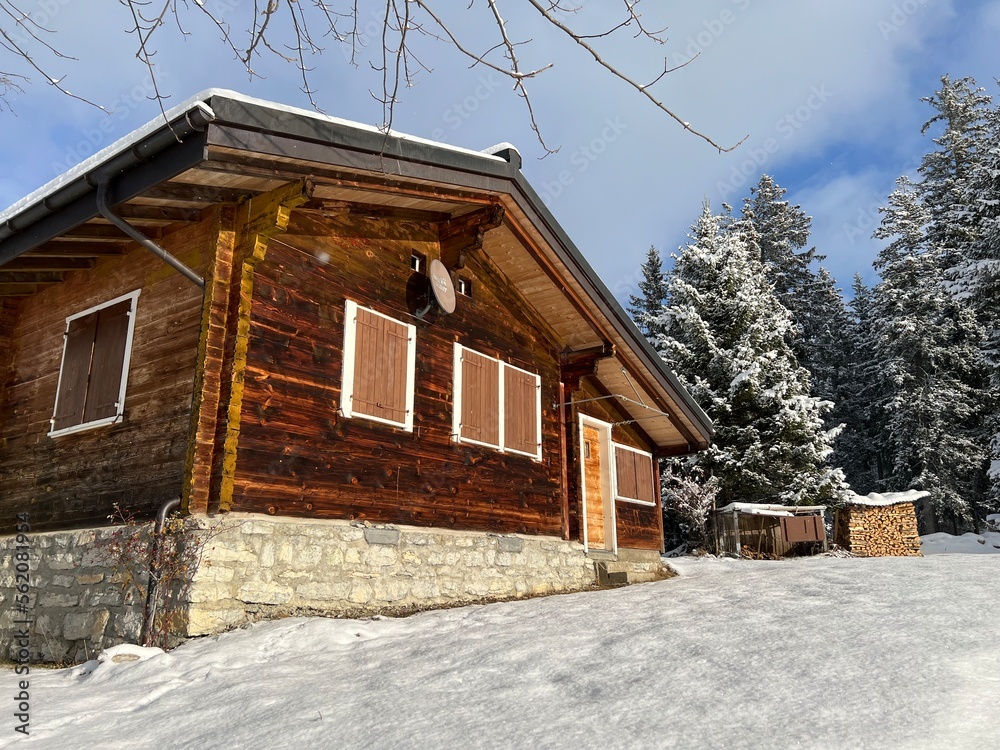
(812, 653)
(987, 543)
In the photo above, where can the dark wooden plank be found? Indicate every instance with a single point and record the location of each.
(354, 468)
(140, 212)
(204, 195)
(63, 249)
(105, 232)
(11, 277)
(34, 263)
(75, 480)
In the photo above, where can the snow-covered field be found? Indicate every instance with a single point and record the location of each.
(987, 543)
(812, 653)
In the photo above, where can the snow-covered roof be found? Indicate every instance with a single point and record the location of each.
(199, 101)
(759, 509)
(877, 499)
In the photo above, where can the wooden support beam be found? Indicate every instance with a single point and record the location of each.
(332, 208)
(32, 263)
(17, 290)
(256, 222)
(574, 365)
(465, 234)
(205, 410)
(674, 450)
(203, 194)
(140, 212)
(104, 232)
(10, 277)
(62, 249)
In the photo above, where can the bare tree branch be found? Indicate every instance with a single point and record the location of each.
(285, 29)
(644, 90)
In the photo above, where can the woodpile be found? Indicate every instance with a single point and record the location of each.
(878, 530)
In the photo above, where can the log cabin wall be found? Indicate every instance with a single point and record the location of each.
(638, 526)
(298, 456)
(75, 480)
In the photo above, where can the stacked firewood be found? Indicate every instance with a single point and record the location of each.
(878, 531)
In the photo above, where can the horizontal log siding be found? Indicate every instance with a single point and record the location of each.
(75, 480)
(297, 457)
(637, 525)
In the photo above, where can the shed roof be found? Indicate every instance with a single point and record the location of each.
(877, 499)
(760, 509)
(223, 147)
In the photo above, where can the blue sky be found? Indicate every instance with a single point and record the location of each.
(827, 93)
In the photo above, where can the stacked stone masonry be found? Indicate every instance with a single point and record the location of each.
(257, 567)
(83, 599)
(79, 601)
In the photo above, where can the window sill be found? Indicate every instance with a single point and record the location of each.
(86, 426)
(379, 420)
(506, 451)
(646, 503)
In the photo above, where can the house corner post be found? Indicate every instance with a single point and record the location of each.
(258, 220)
(209, 366)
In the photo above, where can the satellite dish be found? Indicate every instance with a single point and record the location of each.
(441, 286)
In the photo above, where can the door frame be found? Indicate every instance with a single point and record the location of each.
(607, 484)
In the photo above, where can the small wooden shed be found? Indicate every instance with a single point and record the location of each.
(757, 530)
(879, 524)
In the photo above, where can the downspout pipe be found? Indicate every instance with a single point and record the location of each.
(135, 234)
(149, 610)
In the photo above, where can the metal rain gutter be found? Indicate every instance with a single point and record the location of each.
(79, 186)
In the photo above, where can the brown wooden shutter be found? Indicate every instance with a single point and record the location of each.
(380, 367)
(520, 413)
(106, 365)
(644, 480)
(625, 473)
(75, 373)
(634, 472)
(480, 398)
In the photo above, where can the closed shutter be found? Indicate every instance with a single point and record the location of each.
(625, 473)
(381, 361)
(74, 374)
(480, 398)
(634, 475)
(645, 486)
(521, 418)
(106, 367)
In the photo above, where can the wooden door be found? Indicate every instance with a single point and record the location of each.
(596, 485)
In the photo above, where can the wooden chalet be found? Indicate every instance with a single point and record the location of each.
(246, 306)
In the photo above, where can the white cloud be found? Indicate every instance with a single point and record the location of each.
(819, 87)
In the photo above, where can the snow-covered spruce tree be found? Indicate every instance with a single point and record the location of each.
(962, 108)
(780, 231)
(726, 336)
(930, 346)
(863, 395)
(646, 308)
(975, 275)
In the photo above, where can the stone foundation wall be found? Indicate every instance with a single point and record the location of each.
(78, 599)
(83, 595)
(256, 567)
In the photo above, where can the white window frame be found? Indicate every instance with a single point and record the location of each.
(456, 423)
(614, 474)
(119, 415)
(347, 382)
